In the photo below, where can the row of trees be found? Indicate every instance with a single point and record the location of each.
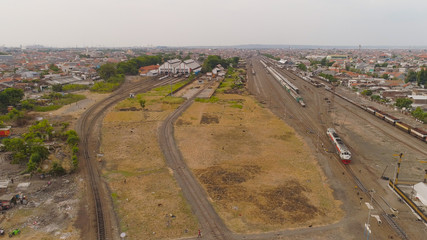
(419, 77)
(129, 67)
(213, 60)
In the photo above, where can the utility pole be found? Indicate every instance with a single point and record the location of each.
(370, 207)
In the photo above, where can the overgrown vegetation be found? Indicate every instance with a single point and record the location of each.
(109, 85)
(403, 103)
(366, 92)
(329, 77)
(32, 150)
(419, 77)
(51, 101)
(114, 74)
(232, 80)
(213, 60)
(10, 97)
(302, 66)
(74, 87)
(419, 114)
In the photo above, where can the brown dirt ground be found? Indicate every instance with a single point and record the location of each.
(148, 201)
(52, 210)
(257, 171)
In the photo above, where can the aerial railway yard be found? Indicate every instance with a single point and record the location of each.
(372, 144)
(371, 140)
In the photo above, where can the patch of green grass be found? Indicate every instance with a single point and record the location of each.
(212, 99)
(172, 100)
(74, 87)
(46, 108)
(240, 106)
(104, 87)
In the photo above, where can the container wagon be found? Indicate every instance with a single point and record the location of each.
(403, 126)
(342, 149)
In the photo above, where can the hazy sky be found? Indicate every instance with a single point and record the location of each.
(114, 23)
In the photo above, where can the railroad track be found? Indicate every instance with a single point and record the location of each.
(86, 124)
(212, 225)
(307, 126)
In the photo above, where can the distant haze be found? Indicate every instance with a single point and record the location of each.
(119, 23)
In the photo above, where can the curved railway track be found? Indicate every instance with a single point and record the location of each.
(89, 143)
(212, 225)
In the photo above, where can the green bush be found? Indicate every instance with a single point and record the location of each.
(75, 161)
(57, 169)
(47, 108)
(74, 87)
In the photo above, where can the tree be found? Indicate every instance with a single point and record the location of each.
(302, 66)
(411, 77)
(107, 70)
(375, 97)
(422, 77)
(385, 76)
(366, 92)
(10, 97)
(420, 114)
(57, 88)
(54, 68)
(403, 103)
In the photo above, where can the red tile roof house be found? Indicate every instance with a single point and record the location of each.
(149, 70)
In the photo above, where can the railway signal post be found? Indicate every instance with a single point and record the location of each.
(398, 167)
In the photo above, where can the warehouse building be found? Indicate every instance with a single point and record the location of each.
(175, 66)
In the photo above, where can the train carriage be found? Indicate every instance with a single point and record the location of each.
(371, 109)
(421, 134)
(390, 119)
(342, 149)
(403, 126)
(380, 114)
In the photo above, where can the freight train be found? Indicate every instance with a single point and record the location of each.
(416, 132)
(342, 149)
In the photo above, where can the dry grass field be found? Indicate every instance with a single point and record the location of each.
(148, 201)
(258, 172)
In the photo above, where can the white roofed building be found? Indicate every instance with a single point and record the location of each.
(421, 189)
(177, 66)
(169, 66)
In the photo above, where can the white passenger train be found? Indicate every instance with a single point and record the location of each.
(342, 149)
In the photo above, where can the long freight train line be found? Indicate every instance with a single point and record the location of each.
(87, 123)
(212, 225)
(383, 131)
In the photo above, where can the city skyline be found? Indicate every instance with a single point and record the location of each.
(184, 23)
